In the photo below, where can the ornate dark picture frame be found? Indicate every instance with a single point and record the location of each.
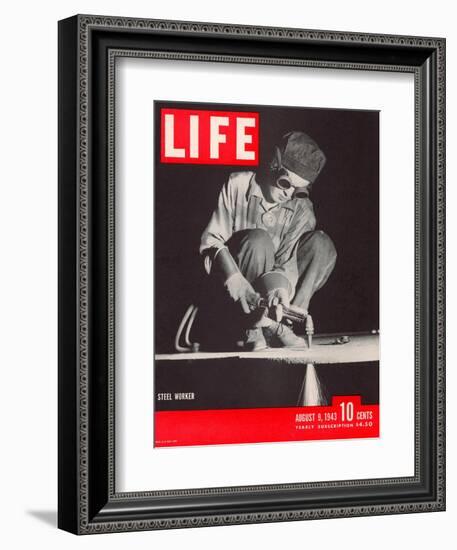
(88, 47)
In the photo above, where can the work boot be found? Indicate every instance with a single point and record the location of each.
(280, 336)
(253, 340)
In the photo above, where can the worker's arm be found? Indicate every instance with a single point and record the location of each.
(217, 257)
(220, 226)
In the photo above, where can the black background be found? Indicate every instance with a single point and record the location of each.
(346, 203)
(233, 383)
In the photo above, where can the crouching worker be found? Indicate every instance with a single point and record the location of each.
(261, 243)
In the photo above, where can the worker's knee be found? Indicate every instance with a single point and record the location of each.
(254, 240)
(318, 242)
(258, 239)
(253, 251)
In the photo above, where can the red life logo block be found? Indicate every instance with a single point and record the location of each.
(209, 137)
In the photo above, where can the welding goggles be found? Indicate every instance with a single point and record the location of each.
(285, 181)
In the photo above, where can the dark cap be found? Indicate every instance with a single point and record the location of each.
(301, 155)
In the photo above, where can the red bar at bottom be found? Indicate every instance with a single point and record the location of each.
(346, 418)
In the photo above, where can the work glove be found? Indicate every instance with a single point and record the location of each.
(241, 292)
(278, 296)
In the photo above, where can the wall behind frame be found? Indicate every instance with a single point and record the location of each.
(29, 275)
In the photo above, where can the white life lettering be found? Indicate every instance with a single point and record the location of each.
(193, 136)
(216, 137)
(170, 149)
(242, 138)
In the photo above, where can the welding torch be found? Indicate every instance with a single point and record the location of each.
(293, 314)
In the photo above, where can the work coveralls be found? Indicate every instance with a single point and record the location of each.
(262, 238)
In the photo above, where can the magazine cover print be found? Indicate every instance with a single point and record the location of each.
(266, 273)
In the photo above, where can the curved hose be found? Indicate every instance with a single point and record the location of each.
(186, 323)
(189, 326)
